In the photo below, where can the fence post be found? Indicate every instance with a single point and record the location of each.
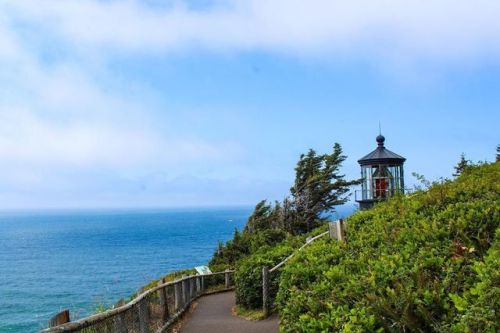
(265, 291)
(163, 301)
(119, 323)
(341, 230)
(59, 319)
(178, 295)
(332, 229)
(198, 285)
(185, 290)
(192, 289)
(143, 316)
(336, 230)
(226, 278)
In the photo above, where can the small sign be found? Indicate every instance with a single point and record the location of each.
(202, 270)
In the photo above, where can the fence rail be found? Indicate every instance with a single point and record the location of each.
(309, 241)
(153, 311)
(336, 230)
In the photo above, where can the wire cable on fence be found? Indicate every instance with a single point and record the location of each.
(336, 230)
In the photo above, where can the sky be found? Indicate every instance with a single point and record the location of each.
(135, 104)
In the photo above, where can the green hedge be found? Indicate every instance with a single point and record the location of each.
(248, 277)
(478, 306)
(244, 244)
(421, 263)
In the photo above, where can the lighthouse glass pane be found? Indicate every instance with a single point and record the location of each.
(397, 178)
(365, 185)
(383, 182)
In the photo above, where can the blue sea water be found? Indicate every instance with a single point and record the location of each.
(79, 260)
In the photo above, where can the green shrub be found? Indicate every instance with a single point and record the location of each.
(269, 237)
(244, 244)
(419, 263)
(479, 306)
(248, 276)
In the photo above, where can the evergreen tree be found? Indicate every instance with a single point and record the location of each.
(260, 218)
(232, 251)
(240, 245)
(319, 187)
(275, 217)
(286, 215)
(461, 165)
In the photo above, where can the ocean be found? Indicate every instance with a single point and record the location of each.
(81, 260)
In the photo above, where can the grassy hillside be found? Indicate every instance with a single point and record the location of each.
(421, 263)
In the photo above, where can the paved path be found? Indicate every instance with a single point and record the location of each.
(213, 315)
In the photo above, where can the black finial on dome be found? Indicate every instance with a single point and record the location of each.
(380, 140)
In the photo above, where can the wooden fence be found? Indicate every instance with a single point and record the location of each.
(336, 230)
(153, 311)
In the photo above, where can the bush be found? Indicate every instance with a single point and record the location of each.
(265, 238)
(421, 263)
(479, 305)
(244, 244)
(248, 276)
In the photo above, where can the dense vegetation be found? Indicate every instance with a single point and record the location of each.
(318, 188)
(421, 263)
(274, 231)
(425, 262)
(248, 276)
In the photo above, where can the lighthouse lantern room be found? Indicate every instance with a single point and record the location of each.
(382, 175)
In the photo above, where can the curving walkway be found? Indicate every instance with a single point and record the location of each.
(213, 315)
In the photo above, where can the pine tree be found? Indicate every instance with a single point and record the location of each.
(461, 165)
(319, 187)
(260, 218)
(286, 215)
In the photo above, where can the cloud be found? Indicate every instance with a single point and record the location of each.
(59, 116)
(69, 124)
(74, 113)
(28, 138)
(445, 29)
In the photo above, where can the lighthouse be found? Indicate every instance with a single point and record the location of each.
(382, 175)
